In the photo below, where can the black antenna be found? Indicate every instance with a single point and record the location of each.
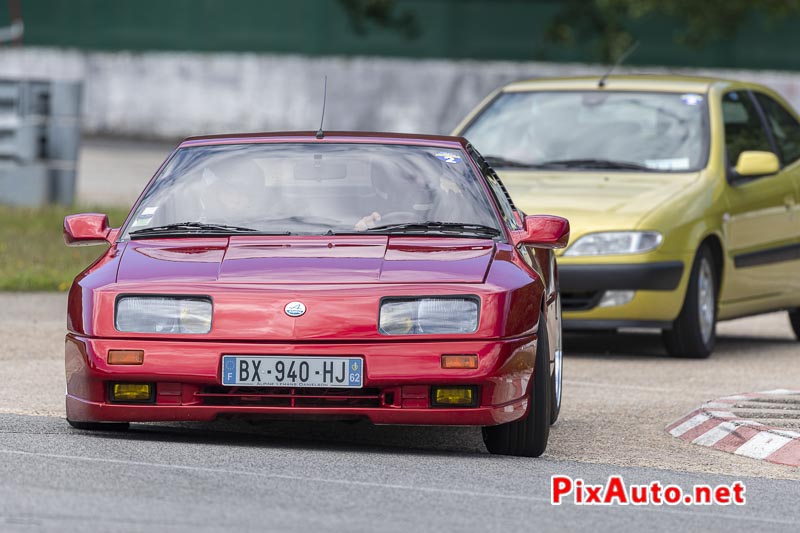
(632, 48)
(320, 133)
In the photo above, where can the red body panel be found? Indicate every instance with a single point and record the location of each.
(544, 231)
(341, 280)
(86, 228)
(503, 376)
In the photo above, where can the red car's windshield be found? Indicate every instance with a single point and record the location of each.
(313, 189)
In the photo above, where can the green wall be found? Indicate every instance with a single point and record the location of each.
(479, 29)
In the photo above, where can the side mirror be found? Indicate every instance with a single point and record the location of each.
(543, 231)
(87, 229)
(755, 163)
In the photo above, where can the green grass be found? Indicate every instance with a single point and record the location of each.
(33, 256)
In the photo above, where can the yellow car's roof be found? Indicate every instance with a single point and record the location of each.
(634, 82)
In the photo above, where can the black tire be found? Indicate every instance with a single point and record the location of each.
(527, 437)
(794, 320)
(688, 337)
(100, 426)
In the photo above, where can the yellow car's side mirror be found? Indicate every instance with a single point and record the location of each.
(754, 163)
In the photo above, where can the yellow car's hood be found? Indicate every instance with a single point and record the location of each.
(594, 201)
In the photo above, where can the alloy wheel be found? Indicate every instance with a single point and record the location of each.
(559, 353)
(705, 300)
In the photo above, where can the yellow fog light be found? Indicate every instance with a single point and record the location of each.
(131, 392)
(459, 396)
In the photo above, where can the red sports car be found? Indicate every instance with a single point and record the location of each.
(347, 276)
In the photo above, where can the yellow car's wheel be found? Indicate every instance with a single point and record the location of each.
(794, 319)
(693, 333)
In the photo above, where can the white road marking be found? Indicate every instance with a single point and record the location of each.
(762, 445)
(693, 422)
(721, 414)
(716, 405)
(779, 391)
(787, 433)
(749, 423)
(713, 436)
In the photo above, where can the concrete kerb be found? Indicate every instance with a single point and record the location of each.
(715, 424)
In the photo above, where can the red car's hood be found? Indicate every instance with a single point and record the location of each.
(308, 260)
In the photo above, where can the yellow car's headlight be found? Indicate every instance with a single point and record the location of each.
(615, 243)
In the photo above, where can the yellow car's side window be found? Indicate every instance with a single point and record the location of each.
(785, 128)
(744, 130)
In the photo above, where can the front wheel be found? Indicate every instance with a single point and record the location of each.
(794, 320)
(693, 333)
(527, 437)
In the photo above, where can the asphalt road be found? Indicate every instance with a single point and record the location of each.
(619, 393)
(158, 479)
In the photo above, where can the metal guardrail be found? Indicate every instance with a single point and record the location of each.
(39, 141)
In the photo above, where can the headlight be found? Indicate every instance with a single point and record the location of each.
(429, 316)
(163, 314)
(615, 243)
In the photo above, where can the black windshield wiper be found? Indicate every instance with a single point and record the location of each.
(456, 228)
(192, 228)
(502, 162)
(593, 163)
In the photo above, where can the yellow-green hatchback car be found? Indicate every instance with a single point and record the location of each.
(683, 195)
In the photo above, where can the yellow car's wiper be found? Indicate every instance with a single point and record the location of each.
(502, 162)
(592, 163)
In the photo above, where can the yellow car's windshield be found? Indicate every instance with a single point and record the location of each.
(612, 130)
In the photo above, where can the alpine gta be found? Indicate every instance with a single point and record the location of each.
(384, 277)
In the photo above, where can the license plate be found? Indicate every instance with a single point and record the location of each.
(280, 371)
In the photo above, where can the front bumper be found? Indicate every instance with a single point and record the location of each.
(664, 276)
(397, 381)
(659, 289)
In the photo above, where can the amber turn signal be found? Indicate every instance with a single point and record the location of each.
(125, 357)
(459, 361)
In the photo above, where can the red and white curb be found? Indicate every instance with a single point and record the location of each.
(715, 426)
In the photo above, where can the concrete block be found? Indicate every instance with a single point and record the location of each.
(24, 185)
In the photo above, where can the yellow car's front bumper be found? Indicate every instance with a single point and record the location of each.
(659, 282)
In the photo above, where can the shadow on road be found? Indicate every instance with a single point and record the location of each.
(649, 345)
(310, 435)
(613, 344)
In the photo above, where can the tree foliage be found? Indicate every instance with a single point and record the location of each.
(605, 22)
(382, 13)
